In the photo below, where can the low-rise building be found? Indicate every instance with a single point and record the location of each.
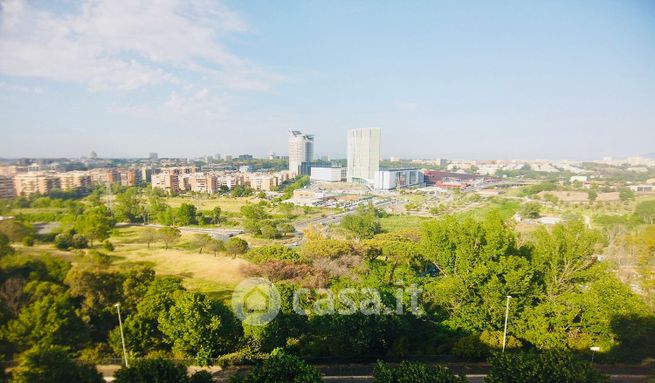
(398, 178)
(325, 174)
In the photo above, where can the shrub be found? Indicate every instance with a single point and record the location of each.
(201, 376)
(470, 348)
(107, 245)
(28, 241)
(548, 367)
(281, 367)
(413, 372)
(150, 371)
(272, 253)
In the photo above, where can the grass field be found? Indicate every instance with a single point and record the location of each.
(400, 222)
(215, 275)
(200, 272)
(232, 205)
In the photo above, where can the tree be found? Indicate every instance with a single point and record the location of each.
(142, 334)
(269, 231)
(592, 195)
(15, 230)
(626, 195)
(281, 367)
(98, 290)
(288, 209)
(216, 245)
(51, 364)
(216, 215)
(199, 327)
(236, 246)
(200, 241)
(547, 367)
(186, 215)
(94, 224)
(254, 212)
(645, 211)
(363, 224)
(152, 371)
(129, 206)
(531, 210)
(5, 247)
(169, 235)
(50, 320)
(416, 373)
(286, 228)
(148, 235)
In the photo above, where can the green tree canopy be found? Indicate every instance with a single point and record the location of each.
(52, 364)
(199, 327)
(186, 215)
(235, 246)
(169, 235)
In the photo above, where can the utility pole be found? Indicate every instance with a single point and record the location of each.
(506, 315)
(120, 325)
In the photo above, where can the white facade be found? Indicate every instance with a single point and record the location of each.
(363, 154)
(397, 178)
(301, 149)
(328, 174)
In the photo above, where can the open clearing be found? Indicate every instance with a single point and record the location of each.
(200, 272)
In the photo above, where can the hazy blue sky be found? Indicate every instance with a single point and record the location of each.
(456, 79)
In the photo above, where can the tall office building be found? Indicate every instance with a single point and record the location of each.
(301, 150)
(363, 155)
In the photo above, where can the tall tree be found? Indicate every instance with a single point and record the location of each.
(199, 327)
(94, 224)
(186, 215)
(129, 206)
(169, 235)
(52, 364)
(236, 246)
(148, 235)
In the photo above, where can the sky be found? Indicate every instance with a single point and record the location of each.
(442, 79)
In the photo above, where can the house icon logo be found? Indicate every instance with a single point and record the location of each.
(256, 301)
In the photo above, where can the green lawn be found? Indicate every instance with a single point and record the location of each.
(232, 205)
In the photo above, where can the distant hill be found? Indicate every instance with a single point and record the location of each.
(649, 155)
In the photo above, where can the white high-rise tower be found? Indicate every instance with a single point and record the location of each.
(363, 154)
(301, 149)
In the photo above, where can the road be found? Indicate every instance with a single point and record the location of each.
(336, 218)
(362, 373)
(214, 232)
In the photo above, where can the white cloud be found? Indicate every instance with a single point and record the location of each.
(201, 108)
(20, 88)
(127, 44)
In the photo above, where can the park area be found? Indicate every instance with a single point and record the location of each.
(204, 272)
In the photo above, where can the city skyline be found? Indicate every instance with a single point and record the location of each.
(513, 80)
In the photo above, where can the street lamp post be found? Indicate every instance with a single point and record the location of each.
(120, 325)
(593, 352)
(506, 315)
